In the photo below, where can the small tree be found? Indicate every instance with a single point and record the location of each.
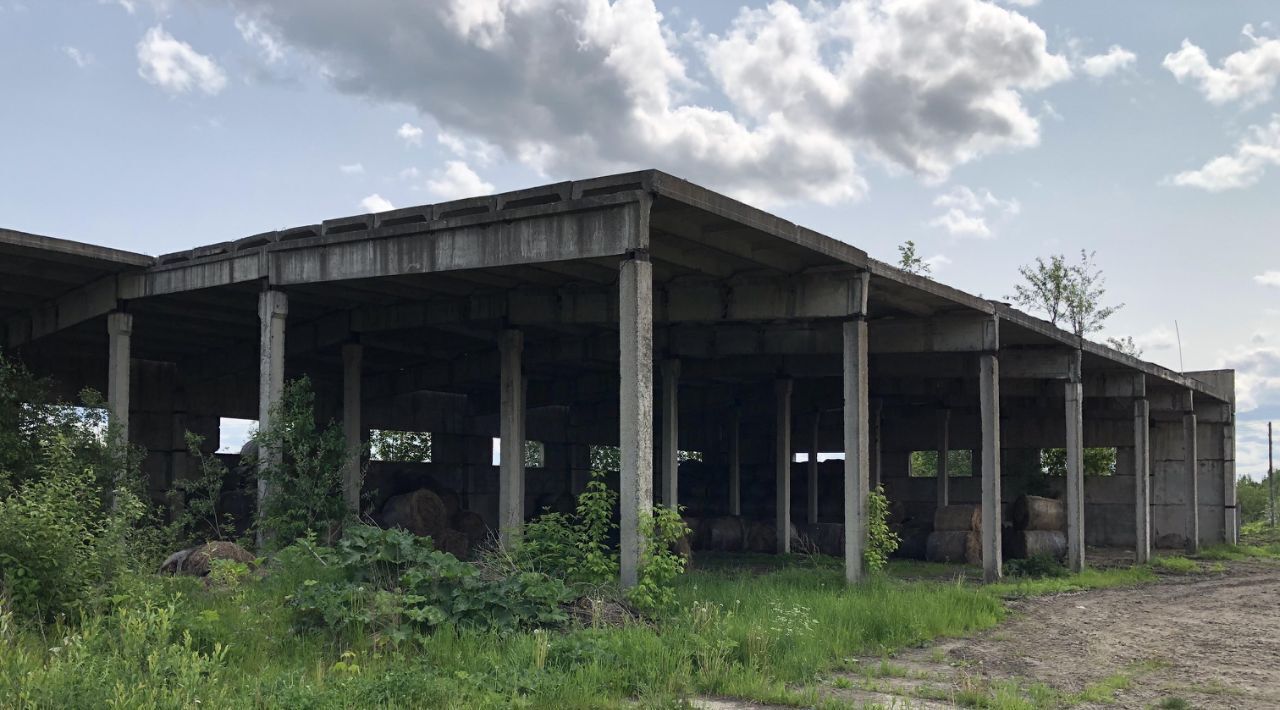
(1125, 345)
(1047, 288)
(910, 262)
(1085, 311)
(1070, 293)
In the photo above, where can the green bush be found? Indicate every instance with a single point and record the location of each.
(1036, 567)
(574, 548)
(881, 539)
(198, 500)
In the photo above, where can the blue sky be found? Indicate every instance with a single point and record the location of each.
(157, 125)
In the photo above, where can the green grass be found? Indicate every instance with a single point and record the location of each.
(760, 631)
(1175, 564)
(1240, 552)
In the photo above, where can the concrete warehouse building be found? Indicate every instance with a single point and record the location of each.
(636, 310)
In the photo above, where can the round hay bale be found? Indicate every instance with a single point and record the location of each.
(452, 542)
(760, 537)
(957, 518)
(450, 501)
(829, 538)
(200, 561)
(471, 524)
(724, 534)
(1037, 513)
(913, 543)
(421, 512)
(1030, 543)
(953, 546)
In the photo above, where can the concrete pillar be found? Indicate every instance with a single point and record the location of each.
(1191, 469)
(119, 335)
(855, 446)
(812, 469)
(876, 467)
(944, 452)
(352, 426)
(1142, 480)
(1074, 393)
(735, 461)
(782, 465)
(511, 437)
(635, 398)
(671, 432)
(273, 310)
(1231, 526)
(989, 396)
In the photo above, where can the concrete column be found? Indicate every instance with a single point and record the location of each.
(855, 446)
(352, 427)
(944, 452)
(273, 310)
(119, 335)
(635, 397)
(511, 437)
(1193, 475)
(1142, 480)
(782, 457)
(671, 432)
(735, 461)
(1074, 393)
(1231, 526)
(989, 396)
(876, 467)
(812, 469)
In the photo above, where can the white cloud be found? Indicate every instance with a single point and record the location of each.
(1116, 59)
(1247, 75)
(580, 87)
(937, 262)
(411, 134)
(175, 67)
(130, 6)
(254, 34)
(1268, 278)
(410, 173)
(456, 181)
(1157, 339)
(1021, 3)
(1259, 150)
(352, 169)
(966, 211)
(81, 58)
(376, 203)
(472, 149)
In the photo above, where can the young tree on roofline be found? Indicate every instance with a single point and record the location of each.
(1071, 294)
(1125, 345)
(910, 262)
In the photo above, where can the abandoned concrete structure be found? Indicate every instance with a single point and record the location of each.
(557, 313)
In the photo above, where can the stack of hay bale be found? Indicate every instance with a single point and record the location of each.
(438, 516)
(1039, 528)
(956, 536)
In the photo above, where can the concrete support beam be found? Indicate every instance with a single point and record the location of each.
(119, 334)
(1229, 506)
(782, 465)
(671, 432)
(989, 396)
(511, 437)
(1142, 480)
(944, 453)
(975, 333)
(855, 445)
(812, 469)
(735, 461)
(1191, 468)
(635, 347)
(352, 426)
(273, 311)
(1074, 396)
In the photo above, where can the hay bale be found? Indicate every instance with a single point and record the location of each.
(200, 559)
(452, 542)
(724, 534)
(1022, 544)
(954, 546)
(450, 501)
(913, 543)
(958, 518)
(471, 524)
(760, 537)
(1037, 513)
(421, 512)
(828, 537)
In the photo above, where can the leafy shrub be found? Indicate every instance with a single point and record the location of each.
(881, 539)
(1035, 567)
(574, 548)
(199, 498)
(395, 582)
(305, 482)
(659, 566)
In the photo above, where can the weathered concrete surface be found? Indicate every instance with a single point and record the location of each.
(635, 334)
(989, 390)
(854, 425)
(273, 309)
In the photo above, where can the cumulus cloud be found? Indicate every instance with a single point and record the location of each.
(1268, 278)
(175, 67)
(409, 133)
(457, 180)
(352, 169)
(376, 203)
(578, 87)
(467, 148)
(1248, 75)
(1259, 150)
(81, 58)
(1114, 60)
(256, 36)
(965, 212)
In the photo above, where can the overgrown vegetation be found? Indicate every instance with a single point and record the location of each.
(881, 539)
